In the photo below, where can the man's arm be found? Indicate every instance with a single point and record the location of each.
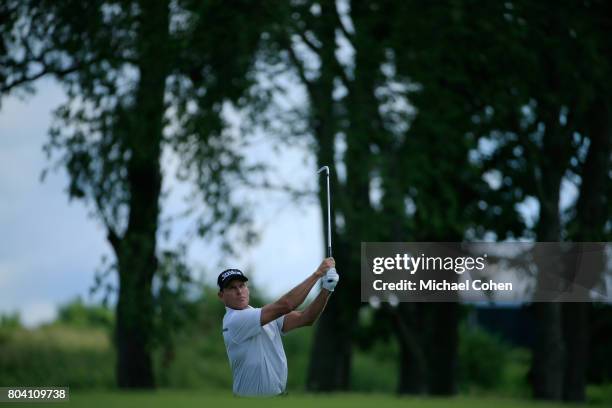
(307, 316)
(295, 296)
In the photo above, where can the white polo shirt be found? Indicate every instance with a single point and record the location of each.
(255, 352)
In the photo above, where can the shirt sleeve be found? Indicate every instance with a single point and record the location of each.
(279, 322)
(244, 324)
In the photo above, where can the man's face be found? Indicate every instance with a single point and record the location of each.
(235, 294)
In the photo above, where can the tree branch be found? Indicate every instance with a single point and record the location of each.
(45, 71)
(339, 69)
(313, 47)
(279, 188)
(114, 239)
(300, 69)
(349, 36)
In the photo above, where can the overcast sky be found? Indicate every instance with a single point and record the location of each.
(50, 247)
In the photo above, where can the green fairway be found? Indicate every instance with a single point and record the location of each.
(188, 399)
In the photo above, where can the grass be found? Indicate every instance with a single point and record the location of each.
(600, 394)
(188, 399)
(56, 355)
(83, 359)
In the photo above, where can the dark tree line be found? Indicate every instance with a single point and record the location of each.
(132, 70)
(426, 86)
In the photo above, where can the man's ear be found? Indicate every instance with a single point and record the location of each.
(220, 294)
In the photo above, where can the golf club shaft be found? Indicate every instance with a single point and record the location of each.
(329, 244)
(329, 240)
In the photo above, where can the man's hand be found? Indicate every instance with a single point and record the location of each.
(325, 265)
(330, 280)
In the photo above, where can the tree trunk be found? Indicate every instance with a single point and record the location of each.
(548, 351)
(576, 336)
(331, 353)
(412, 359)
(547, 357)
(443, 344)
(330, 363)
(547, 365)
(135, 251)
(591, 218)
(406, 318)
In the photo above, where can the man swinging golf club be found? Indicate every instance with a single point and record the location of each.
(253, 335)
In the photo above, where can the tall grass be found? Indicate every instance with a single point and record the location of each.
(56, 356)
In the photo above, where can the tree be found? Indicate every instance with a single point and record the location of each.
(349, 107)
(141, 77)
(330, 362)
(510, 69)
(592, 209)
(541, 131)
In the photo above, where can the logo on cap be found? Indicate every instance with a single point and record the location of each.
(229, 274)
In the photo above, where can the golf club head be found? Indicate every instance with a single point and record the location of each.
(324, 168)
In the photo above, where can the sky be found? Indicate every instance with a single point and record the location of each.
(50, 247)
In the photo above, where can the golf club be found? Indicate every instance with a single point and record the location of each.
(329, 240)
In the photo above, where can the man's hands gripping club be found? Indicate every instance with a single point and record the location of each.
(327, 271)
(287, 304)
(308, 316)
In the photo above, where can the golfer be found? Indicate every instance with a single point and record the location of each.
(253, 335)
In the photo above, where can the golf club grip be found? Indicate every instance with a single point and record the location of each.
(329, 254)
(330, 270)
